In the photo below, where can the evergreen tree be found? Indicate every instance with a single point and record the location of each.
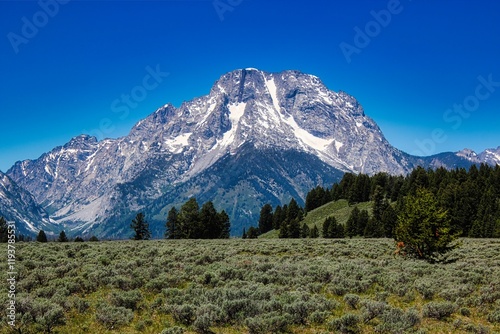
(172, 224)
(389, 220)
(278, 218)
(266, 219)
(41, 237)
(253, 233)
(352, 223)
(363, 219)
(294, 210)
(93, 239)
(3, 230)
(305, 231)
(485, 224)
(244, 235)
(424, 227)
(224, 225)
(62, 237)
(327, 228)
(189, 220)
(284, 230)
(294, 229)
(140, 227)
(314, 232)
(373, 229)
(210, 227)
(379, 204)
(79, 239)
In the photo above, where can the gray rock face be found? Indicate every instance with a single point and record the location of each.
(19, 206)
(89, 185)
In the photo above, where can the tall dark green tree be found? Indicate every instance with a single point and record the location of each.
(172, 225)
(224, 225)
(351, 228)
(189, 219)
(389, 220)
(294, 211)
(294, 228)
(485, 225)
(3, 230)
(424, 227)
(314, 233)
(305, 231)
(373, 229)
(210, 227)
(363, 219)
(140, 227)
(266, 219)
(62, 237)
(41, 237)
(278, 217)
(332, 229)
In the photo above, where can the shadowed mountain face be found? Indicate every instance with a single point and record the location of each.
(19, 206)
(258, 137)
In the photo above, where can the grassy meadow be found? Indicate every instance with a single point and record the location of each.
(252, 286)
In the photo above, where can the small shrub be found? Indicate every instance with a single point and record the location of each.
(438, 310)
(494, 316)
(395, 320)
(318, 317)
(184, 314)
(112, 316)
(351, 301)
(173, 330)
(465, 312)
(372, 309)
(348, 324)
(268, 323)
(127, 299)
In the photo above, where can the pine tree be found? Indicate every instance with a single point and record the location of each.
(278, 218)
(363, 219)
(210, 226)
(327, 228)
(294, 229)
(244, 235)
(424, 227)
(304, 231)
(41, 237)
(373, 229)
(3, 230)
(62, 237)
(352, 223)
(224, 225)
(140, 227)
(314, 233)
(266, 219)
(172, 224)
(389, 220)
(294, 210)
(284, 230)
(253, 233)
(189, 220)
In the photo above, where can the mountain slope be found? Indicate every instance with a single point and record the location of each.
(17, 205)
(175, 153)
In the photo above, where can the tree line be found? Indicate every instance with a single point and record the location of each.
(470, 198)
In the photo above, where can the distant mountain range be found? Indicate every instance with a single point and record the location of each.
(256, 138)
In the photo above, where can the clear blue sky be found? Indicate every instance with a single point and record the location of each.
(62, 79)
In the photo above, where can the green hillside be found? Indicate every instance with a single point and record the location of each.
(339, 209)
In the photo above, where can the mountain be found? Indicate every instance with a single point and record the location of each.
(18, 205)
(257, 137)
